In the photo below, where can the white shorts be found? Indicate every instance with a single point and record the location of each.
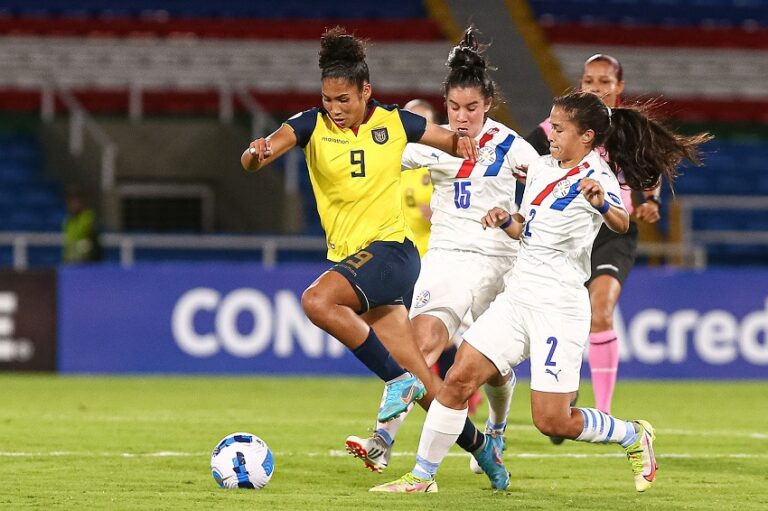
(508, 333)
(453, 284)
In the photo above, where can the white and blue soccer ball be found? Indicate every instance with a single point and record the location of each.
(242, 460)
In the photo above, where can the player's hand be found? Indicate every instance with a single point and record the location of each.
(466, 146)
(593, 191)
(261, 148)
(521, 172)
(494, 218)
(648, 212)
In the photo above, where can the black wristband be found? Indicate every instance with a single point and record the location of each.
(653, 198)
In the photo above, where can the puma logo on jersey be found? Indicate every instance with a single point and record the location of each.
(556, 375)
(421, 299)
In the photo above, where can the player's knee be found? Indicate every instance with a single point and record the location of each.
(431, 346)
(548, 424)
(315, 305)
(602, 319)
(459, 385)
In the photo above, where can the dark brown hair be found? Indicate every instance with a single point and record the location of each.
(469, 67)
(342, 55)
(643, 149)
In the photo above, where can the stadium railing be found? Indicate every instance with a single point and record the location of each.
(268, 246)
(690, 203)
(80, 122)
(128, 244)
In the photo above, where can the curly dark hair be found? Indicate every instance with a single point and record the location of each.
(642, 148)
(469, 66)
(342, 55)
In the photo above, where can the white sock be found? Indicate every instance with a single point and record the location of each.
(441, 429)
(388, 430)
(499, 400)
(599, 427)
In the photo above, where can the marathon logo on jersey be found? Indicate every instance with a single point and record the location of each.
(562, 188)
(380, 135)
(421, 299)
(486, 155)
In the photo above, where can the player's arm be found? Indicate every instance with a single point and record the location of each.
(454, 143)
(411, 158)
(520, 158)
(615, 217)
(265, 150)
(512, 224)
(538, 140)
(648, 211)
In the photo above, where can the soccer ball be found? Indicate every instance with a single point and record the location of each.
(242, 460)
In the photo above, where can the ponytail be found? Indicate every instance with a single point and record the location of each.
(644, 149)
(637, 145)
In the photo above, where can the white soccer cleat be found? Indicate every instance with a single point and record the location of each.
(373, 450)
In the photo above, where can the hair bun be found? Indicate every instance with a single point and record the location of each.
(469, 52)
(462, 56)
(339, 47)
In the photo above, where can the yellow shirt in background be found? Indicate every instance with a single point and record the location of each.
(417, 192)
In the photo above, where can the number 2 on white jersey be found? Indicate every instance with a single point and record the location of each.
(527, 231)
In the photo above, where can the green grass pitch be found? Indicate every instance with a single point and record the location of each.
(144, 443)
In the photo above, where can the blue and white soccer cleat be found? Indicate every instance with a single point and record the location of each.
(398, 396)
(474, 466)
(489, 459)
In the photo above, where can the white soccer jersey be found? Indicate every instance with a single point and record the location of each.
(560, 227)
(464, 191)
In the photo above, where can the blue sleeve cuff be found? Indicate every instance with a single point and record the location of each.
(414, 125)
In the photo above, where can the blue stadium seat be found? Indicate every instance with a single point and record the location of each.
(29, 201)
(654, 12)
(305, 9)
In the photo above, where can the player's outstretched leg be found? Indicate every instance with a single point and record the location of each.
(557, 440)
(635, 437)
(499, 391)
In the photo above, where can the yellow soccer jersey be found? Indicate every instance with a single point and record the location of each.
(356, 176)
(417, 192)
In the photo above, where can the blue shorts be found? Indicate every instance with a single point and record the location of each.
(382, 273)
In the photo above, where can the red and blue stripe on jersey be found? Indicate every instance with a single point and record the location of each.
(573, 192)
(501, 152)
